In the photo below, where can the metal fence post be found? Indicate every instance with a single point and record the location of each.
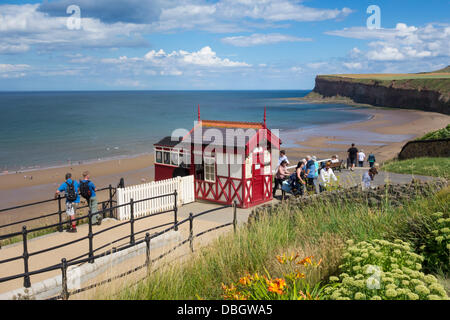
(234, 215)
(110, 202)
(191, 231)
(65, 292)
(175, 210)
(60, 227)
(26, 279)
(148, 261)
(132, 221)
(91, 238)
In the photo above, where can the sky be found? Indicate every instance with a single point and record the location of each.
(214, 45)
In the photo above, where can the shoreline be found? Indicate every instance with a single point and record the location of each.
(384, 132)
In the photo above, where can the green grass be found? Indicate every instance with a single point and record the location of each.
(435, 167)
(443, 133)
(319, 229)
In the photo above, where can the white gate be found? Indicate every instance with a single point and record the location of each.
(185, 194)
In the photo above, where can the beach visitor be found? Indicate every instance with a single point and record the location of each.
(371, 159)
(334, 159)
(361, 157)
(88, 191)
(368, 176)
(300, 177)
(311, 172)
(280, 176)
(283, 157)
(352, 152)
(70, 188)
(325, 177)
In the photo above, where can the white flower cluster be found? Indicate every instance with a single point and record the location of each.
(383, 270)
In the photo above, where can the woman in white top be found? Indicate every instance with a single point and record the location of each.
(326, 174)
(361, 157)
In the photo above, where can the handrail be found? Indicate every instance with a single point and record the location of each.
(60, 211)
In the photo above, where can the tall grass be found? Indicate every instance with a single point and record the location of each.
(319, 229)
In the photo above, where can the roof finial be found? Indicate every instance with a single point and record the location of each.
(198, 112)
(264, 116)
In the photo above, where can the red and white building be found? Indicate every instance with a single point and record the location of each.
(230, 160)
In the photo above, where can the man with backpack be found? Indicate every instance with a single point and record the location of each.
(70, 188)
(87, 191)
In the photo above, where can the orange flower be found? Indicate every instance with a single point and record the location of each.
(276, 285)
(245, 280)
(299, 275)
(282, 259)
(306, 261)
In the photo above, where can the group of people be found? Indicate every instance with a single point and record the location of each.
(311, 175)
(73, 189)
(358, 155)
(308, 174)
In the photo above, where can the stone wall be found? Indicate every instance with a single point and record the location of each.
(425, 148)
(395, 195)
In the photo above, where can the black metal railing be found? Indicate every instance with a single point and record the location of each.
(108, 203)
(90, 255)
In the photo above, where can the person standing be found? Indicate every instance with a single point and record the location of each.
(326, 174)
(371, 159)
(282, 174)
(361, 157)
(367, 178)
(352, 152)
(283, 157)
(88, 191)
(300, 177)
(70, 188)
(311, 174)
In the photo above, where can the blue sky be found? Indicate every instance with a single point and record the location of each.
(213, 45)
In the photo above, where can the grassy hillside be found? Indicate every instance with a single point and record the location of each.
(319, 229)
(443, 133)
(435, 167)
(437, 80)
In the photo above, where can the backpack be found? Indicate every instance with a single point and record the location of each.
(71, 195)
(84, 189)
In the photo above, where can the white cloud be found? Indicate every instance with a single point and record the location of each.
(402, 42)
(261, 39)
(175, 63)
(13, 70)
(353, 65)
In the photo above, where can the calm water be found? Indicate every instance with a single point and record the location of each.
(50, 128)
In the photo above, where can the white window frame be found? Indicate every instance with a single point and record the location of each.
(209, 162)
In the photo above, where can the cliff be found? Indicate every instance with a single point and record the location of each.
(426, 91)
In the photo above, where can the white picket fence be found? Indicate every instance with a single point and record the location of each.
(185, 194)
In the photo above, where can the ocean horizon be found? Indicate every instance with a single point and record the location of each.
(41, 129)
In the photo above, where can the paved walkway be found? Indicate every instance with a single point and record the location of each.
(210, 220)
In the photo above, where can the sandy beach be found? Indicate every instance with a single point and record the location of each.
(384, 135)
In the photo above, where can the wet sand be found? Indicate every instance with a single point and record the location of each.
(384, 134)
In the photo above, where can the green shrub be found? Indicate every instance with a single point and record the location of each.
(443, 133)
(383, 270)
(436, 246)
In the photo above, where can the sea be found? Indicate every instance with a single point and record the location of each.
(48, 129)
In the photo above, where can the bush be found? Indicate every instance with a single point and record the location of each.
(443, 133)
(383, 270)
(436, 246)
